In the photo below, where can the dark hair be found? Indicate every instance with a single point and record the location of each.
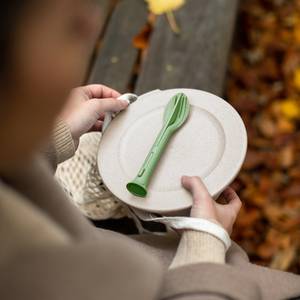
(10, 12)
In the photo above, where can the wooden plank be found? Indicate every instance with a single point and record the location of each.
(197, 57)
(117, 56)
(106, 7)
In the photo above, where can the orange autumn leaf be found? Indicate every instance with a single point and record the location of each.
(297, 79)
(286, 156)
(297, 34)
(266, 250)
(285, 126)
(141, 40)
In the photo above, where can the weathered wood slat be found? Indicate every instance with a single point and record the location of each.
(117, 56)
(197, 58)
(106, 7)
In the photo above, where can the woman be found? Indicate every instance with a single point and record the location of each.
(48, 249)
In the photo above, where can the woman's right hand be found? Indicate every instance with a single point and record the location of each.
(87, 106)
(204, 206)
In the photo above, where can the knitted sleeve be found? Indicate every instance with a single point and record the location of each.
(196, 247)
(198, 271)
(61, 146)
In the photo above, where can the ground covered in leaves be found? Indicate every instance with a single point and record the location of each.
(264, 86)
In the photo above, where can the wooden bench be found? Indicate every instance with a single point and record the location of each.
(196, 58)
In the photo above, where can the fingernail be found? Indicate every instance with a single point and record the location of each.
(125, 103)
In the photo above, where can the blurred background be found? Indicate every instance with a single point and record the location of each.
(246, 51)
(263, 84)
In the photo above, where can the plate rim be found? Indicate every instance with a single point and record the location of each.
(225, 182)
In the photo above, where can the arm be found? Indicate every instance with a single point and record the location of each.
(196, 247)
(83, 113)
(62, 146)
(109, 269)
(201, 246)
(198, 270)
(42, 260)
(209, 281)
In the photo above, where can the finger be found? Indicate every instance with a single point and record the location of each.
(101, 116)
(101, 106)
(200, 194)
(97, 126)
(232, 199)
(100, 91)
(221, 200)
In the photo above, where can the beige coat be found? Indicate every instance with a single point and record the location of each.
(50, 251)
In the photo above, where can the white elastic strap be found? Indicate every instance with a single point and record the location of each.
(141, 229)
(196, 224)
(136, 220)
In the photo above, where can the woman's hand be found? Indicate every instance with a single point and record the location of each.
(87, 106)
(204, 206)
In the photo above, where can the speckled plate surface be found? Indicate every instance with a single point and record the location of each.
(211, 144)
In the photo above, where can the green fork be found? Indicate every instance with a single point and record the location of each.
(175, 115)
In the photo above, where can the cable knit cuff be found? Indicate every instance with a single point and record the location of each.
(196, 247)
(63, 142)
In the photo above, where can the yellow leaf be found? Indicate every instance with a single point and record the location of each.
(163, 6)
(290, 108)
(297, 34)
(297, 79)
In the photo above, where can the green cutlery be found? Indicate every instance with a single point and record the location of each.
(176, 113)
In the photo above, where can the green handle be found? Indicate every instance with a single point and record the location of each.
(139, 185)
(175, 115)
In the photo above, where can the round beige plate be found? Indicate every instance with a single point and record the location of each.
(211, 144)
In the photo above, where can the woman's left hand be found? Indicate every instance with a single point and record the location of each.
(205, 207)
(86, 108)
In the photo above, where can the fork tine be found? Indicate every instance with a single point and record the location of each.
(183, 108)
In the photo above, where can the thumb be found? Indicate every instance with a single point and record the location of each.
(202, 201)
(107, 104)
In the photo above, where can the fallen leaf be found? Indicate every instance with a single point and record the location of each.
(286, 156)
(141, 40)
(297, 79)
(266, 251)
(285, 126)
(293, 190)
(284, 258)
(297, 35)
(159, 7)
(247, 218)
(290, 109)
(266, 125)
(253, 160)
